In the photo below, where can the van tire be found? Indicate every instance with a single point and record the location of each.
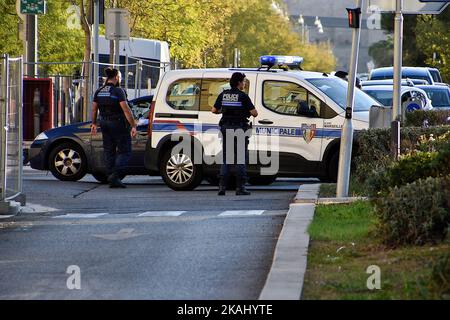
(188, 178)
(333, 165)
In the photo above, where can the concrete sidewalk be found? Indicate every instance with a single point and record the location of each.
(285, 279)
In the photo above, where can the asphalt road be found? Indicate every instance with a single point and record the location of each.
(143, 242)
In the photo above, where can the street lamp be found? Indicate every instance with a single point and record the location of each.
(301, 21)
(318, 24)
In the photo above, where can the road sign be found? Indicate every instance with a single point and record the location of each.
(411, 6)
(33, 6)
(117, 24)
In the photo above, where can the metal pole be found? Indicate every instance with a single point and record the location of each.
(345, 152)
(95, 35)
(139, 77)
(3, 113)
(116, 51)
(32, 44)
(20, 126)
(398, 52)
(126, 72)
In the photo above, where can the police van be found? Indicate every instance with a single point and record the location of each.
(296, 134)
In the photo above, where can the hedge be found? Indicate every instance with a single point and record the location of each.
(433, 118)
(416, 213)
(373, 147)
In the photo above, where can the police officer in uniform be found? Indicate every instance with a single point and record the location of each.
(236, 108)
(118, 126)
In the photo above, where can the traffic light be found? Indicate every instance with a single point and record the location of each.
(353, 17)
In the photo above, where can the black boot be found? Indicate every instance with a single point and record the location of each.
(222, 186)
(115, 182)
(240, 187)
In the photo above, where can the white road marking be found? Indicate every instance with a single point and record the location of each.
(5, 217)
(80, 215)
(161, 214)
(233, 213)
(122, 234)
(32, 208)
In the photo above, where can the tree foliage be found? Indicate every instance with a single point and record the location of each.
(199, 32)
(426, 42)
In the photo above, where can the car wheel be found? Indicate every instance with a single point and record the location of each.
(179, 171)
(333, 167)
(262, 180)
(67, 162)
(103, 177)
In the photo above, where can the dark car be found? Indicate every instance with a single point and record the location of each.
(439, 95)
(407, 72)
(70, 152)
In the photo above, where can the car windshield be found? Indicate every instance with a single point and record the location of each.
(336, 90)
(439, 97)
(385, 97)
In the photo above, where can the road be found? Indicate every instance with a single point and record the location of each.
(143, 242)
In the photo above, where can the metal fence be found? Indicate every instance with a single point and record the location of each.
(72, 82)
(11, 155)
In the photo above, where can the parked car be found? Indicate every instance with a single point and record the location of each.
(405, 82)
(435, 74)
(439, 95)
(70, 152)
(385, 95)
(407, 72)
(307, 142)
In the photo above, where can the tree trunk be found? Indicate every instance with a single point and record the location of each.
(85, 18)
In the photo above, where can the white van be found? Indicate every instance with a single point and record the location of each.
(296, 134)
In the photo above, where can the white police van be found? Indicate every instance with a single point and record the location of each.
(296, 134)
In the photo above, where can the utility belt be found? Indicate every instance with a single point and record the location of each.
(112, 117)
(235, 125)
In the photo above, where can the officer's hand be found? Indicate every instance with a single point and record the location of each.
(93, 129)
(133, 132)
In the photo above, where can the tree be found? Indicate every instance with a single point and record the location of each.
(382, 52)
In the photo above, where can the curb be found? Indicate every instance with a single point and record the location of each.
(340, 200)
(285, 279)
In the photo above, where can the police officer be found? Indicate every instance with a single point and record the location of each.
(236, 108)
(118, 126)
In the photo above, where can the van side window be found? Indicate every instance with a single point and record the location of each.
(184, 94)
(211, 88)
(291, 99)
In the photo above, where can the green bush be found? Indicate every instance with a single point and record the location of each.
(440, 276)
(433, 118)
(416, 213)
(372, 150)
(409, 168)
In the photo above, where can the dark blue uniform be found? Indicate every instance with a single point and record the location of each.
(115, 128)
(235, 106)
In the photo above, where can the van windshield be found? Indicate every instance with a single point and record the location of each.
(336, 90)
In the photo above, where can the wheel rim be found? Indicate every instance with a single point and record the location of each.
(67, 162)
(179, 168)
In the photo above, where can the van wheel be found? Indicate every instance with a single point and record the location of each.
(262, 180)
(67, 162)
(333, 167)
(179, 171)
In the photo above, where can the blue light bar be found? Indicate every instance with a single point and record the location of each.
(283, 62)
